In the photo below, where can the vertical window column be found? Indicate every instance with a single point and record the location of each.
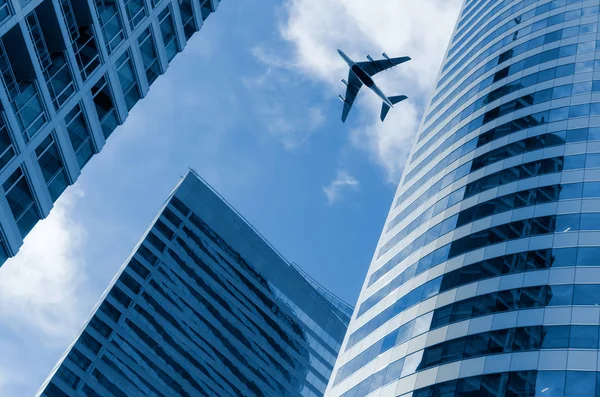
(80, 27)
(7, 148)
(5, 10)
(168, 32)
(206, 8)
(79, 135)
(110, 23)
(21, 201)
(128, 79)
(149, 55)
(187, 18)
(136, 12)
(105, 107)
(52, 167)
(50, 49)
(21, 83)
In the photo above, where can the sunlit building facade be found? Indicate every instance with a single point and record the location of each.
(71, 70)
(486, 278)
(205, 306)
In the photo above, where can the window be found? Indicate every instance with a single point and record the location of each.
(5, 10)
(187, 18)
(136, 12)
(79, 359)
(112, 312)
(54, 391)
(81, 32)
(138, 268)
(120, 297)
(110, 21)
(206, 8)
(52, 167)
(29, 110)
(67, 376)
(167, 29)
(53, 61)
(149, 55)
(128, 80)
(21, 201)
(130, 283)
(101, 327)
(7, 149)
(105, 107)
(79, 135)
(90, 342)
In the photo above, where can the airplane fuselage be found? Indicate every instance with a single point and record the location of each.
(364, 78)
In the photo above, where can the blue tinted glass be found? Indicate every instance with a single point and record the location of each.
(560, 295)
(592, 160)
(550, 384)
(590, 221)
(572, 190)
(588, 256)
(580, 383)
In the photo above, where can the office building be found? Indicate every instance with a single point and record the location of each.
(205, 306)
(486, 278)
(71, 70)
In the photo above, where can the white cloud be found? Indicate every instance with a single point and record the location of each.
(343, 181)
(421, 29)
(40, 288)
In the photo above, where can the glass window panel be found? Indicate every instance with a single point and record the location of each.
(572, 191)
(105, 108)
(128, 80)
(583, 337)
(586, 294)
(393, 371)
(560, 295)
(591, 189)
(21, 201)
(564, 257)
(556, 337)
(588, 256)
(550, 384)
(580, 383)
(167, 29)
(590, 221)
(79, 135)
(149, 55)
(52, 167)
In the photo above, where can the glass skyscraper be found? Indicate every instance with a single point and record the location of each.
(205, 306)
(486, 278)
(71, 70)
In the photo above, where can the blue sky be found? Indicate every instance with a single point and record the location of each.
(251, 105)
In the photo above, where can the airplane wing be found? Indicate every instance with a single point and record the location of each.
(354, 85)
(374, 67)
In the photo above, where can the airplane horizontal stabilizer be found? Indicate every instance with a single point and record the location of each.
(386, 108)
(395, 99)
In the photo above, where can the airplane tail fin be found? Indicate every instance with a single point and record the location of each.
(386, 108)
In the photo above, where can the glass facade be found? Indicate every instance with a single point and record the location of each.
(70, 73)
(486, 278)
(205, 306)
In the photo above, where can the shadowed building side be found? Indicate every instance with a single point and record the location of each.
(70, 73)
(205, 306)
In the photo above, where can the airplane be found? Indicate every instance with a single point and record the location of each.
(361, 73)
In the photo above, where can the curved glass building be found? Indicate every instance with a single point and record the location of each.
(486, 279)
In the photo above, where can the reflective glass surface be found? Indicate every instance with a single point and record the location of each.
(197, 311)
(491, 245)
